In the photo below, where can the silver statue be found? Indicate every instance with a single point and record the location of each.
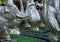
(50, 19)
(11, 16)
(34, 14)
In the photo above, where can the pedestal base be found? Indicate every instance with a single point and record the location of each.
(3, 40)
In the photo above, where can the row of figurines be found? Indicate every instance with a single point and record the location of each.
(36, 14)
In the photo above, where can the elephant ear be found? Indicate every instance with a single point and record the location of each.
(34, 14)
(52, 20)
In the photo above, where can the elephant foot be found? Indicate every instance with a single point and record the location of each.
(53, 37)
(35, 28)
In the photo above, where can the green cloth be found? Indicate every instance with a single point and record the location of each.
(0, 2)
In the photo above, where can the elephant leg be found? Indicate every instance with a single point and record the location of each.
(6, 32)
(54, 35)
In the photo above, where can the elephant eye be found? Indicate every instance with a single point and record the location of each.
(18, 19)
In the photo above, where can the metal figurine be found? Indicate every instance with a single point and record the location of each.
(50, 18)
(34, 14)
(10, 17)
(3, 22)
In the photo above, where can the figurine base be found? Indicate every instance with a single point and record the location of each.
(3, 40)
